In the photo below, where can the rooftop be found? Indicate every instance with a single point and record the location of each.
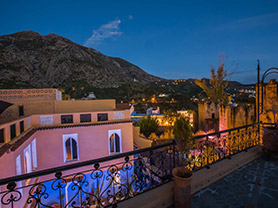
(253, 185)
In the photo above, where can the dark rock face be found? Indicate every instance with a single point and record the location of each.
(30, 60)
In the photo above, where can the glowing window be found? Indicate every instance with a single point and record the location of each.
(70, 147)
(114, 141)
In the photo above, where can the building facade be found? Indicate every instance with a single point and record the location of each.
(42, 141)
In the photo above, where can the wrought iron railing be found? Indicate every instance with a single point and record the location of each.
(107, 181)
(210, 148)
(96, 183)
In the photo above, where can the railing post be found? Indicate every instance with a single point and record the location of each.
(238, 136)
(174, 155)
(246, 139)
(258, 91)
(229, 146)
(207, 165)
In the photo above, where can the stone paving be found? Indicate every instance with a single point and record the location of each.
(254, 185)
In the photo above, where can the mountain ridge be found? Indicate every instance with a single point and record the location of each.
(31, 60)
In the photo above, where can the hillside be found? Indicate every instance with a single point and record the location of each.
(30, 60)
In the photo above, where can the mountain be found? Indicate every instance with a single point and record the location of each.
(30, 60)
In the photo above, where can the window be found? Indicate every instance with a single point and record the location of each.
(2, 139)
(66, 119)
(34, 153)
(114, 141)
(21, 125)
(85, 118)
(102, 117)
(213, 115)
(46, 120)
(12, 131)
(28, 121)
(21, 111)
(27, 159)
(70, 147)
(18, 171)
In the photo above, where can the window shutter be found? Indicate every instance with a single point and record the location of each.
(27, 159)
(34, 153)
(18, 171)
(117, 142)
(18, 165)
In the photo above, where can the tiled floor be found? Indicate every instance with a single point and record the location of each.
(253, 185)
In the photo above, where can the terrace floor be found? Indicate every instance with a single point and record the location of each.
(253, 185)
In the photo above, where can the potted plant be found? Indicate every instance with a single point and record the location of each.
(182, 174)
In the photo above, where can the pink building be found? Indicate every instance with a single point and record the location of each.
(43, 141)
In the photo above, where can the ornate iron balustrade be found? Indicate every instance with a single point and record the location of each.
(96, 183)
(212, 147)
(107, 181)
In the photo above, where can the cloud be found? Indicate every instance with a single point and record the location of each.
(130, 17)
(111, 30)
(252, 22)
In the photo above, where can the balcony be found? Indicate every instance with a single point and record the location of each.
(253, 185)
(140, 178)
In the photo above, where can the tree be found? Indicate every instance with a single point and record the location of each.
(148, 125)
(169, 118)
(183, 134)
(218, 82)
(183, 137)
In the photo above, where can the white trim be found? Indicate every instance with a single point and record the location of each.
(65, 137)
(110, 132)
(27, 152)
(18, 165)
(34, 154)
(18, 172)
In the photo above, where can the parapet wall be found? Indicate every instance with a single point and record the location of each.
(32, 107)
(11, 95)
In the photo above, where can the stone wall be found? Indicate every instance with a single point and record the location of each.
(208, 114)
(269, 113)
(232, 116)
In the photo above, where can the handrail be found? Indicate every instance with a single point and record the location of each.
(224, 131)
(80, 164)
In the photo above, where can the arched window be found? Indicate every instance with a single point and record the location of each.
(70, 147)
(114, 141)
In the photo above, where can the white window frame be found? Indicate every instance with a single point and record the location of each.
(65, 138)
(34, 153)
(28, 150)
(110, 132)
(18, 172)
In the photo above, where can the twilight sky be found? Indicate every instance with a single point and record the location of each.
(171, 39)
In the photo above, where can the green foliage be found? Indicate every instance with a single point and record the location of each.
(183, 134)
(169, 117)
(148, 125)
(218, 83)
